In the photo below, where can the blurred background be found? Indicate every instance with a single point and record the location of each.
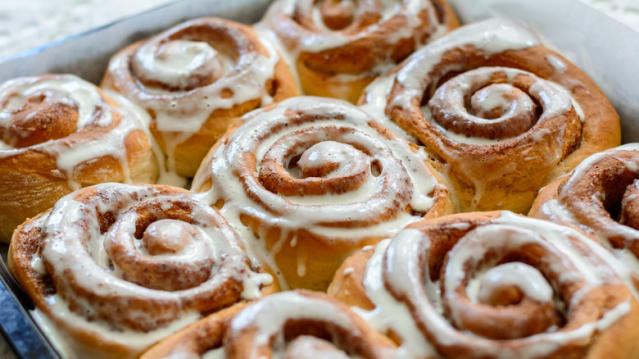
(26, 24)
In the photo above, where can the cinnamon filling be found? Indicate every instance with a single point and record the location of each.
(514, 297)
(143, 256)
(39, 121)
(318, 164)
(194, 57)
(337, 14)
(630, 205)
(487, 103)
(604, 197)
(486, 280)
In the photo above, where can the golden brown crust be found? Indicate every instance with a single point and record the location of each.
(148, 292)
(505, 174)
(309, 253)
(614, 339)
(186, 148)
(364, 40)
(307, 329)
(348, 283)
(31, 180)
(196, 339)
(599, 197)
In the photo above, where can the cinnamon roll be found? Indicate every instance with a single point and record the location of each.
(59, 133)
(203, 339)
(340, 46)
(296, 324)
(114, 267)
(501, 114)
(600, 197)
(493, 285)
(195, 79)
(316, 179)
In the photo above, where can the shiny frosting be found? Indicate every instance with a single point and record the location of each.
(463, 108)
(490, 36)
(131, 264)
(66, 117)
(321, 166)
(600, 197)
(334, 27)
(183, 75)
(267, 329)
(479, 293)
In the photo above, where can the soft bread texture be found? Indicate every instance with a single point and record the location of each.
(599, 197)
(115, 268)
(317, 179)
(62, 133)
(340, 47)
(501, 114)
(293, 324)
(230, 72)
(448, 253)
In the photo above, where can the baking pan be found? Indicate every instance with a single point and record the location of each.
(605, 49)
(87, 55)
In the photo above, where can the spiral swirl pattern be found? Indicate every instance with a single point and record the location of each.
(600, 197)
(345, 44)
(500, 113)
(58, 133)
(312, 169)
(194, 79)
(496, 285)
(120, 258)
(302, 324)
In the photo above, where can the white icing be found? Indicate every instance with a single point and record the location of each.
(555, 210)
(491, 36)
(375, 104)
(66, 89)
(61, 346)
(494, 97)
(92, 111)
(389, 314)
(268, 133)
(397, 263)
(166, 175)
(80, 255)
(37, 265)
(269, 315)
(177, 62)
(525, 277)
(557, 64)
(312, 35)
(417, 76)
(134, 340)
(179, 114)
(554, 99)
(255, 248)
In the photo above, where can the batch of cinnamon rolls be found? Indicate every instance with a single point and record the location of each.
(366, 179)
